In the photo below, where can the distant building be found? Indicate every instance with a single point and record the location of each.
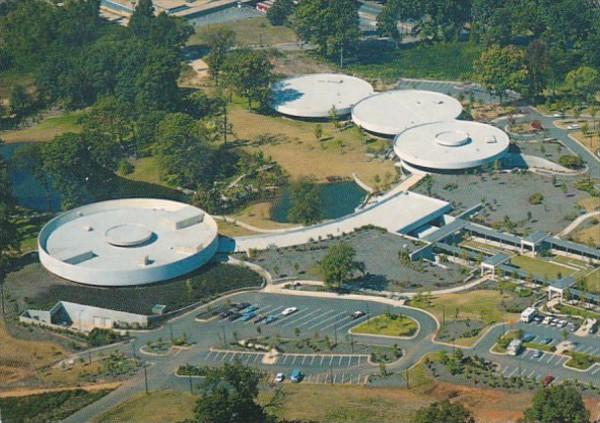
(83, 318)
(528, 314)
(515, 347)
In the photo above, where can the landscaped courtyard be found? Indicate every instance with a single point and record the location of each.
(377, 249)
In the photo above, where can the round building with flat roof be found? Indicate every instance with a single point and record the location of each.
(450, 145)
(127, 242)
(314, 95)
(391, 112)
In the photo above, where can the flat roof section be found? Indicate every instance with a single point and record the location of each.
(127, 242)
(392, 112)
(312, 96)
(450, 145)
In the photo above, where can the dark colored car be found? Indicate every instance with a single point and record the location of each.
(234, 316)
(357, 314)
(241, 306)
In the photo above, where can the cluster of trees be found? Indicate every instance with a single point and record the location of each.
(245, 72)
(339, 265)
(8, 230)
(230, 395)
(305, 197)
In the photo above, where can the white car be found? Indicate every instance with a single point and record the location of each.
(546, 320)
(558, 115)
(562, 324)
(289, 310)
(573, 126)
(279, 377)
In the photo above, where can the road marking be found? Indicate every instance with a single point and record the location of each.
(351, 322)
(302, 317)
(335, 322)
(541, 357)
(551, 356)
(312, 359)
(320, 318)
(513, 372)
(340, 362)
(316, 318)
(304, 359)
(596, 370)
(208, 356)
(531, 374)
(322, 358)
(334, 378)
(334, 317)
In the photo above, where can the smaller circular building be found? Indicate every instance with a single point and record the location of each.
(127, 242)
(392, 112)
(450, 145)
(313, 96)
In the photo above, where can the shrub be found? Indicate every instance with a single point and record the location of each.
(570, 161)
(536, 198)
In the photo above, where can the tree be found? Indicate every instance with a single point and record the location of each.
(141, 19)
(557, 404)
(387, 22)
(331, 25)
(20, 101)
(250, 73)
(220, 41)
(338, 265)
(230, 396)
(537, 62)
(501, 68)
(280, 11)
(306, 202)
(318, 132)
(8, 230)
(582, 84)
(444, 412)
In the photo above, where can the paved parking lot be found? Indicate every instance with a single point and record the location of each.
(586, 344)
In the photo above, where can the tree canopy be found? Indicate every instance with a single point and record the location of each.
(331, 25)
(230, 396)
(339, 265)
(502, 68)
(557, 404)
(444, 412)
(306, 202)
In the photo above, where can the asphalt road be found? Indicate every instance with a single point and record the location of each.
(327, 317)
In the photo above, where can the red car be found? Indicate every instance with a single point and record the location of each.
(548, 380)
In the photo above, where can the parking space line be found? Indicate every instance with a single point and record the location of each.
(531, 374)
(351, 322)
(596, 370)
(304, 316)
(317, 317)
(304, 359)
(312, 359)
(513, 372)
(330, 361)
(505, 370)
(208, 356)
(541, 357)
(334, 378)
(322, 358)
(335, 322)
(340, 362)
(335, 316)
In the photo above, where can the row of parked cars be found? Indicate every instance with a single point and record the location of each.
(247, 312)
(555, 322)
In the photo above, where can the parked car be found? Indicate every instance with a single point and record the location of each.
(574, 126)
(241, 306)
(537, 354)
(270, 319)
(548, 380)
(289, 310)
(279, 377)
(357, 314)
(547, 320)
(225, 314)
(528, 337)
(248, 316)
(296, 376)
(547, 341)
(251, 308)
(538, 319)
(561, 324)
(234, 316)
(259, 318)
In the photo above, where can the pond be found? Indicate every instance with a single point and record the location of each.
(27, 190)
(337, 199)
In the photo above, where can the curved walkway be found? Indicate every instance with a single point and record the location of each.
(574, 224)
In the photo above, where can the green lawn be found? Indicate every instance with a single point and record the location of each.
(253, 31)
(451, 61)
(576, 311)
(591, 281)
(388, 325)
(581, 361)
(540, 347)
(541, 268)
(46, 130)
(155, 407)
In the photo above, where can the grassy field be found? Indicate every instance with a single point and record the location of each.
(156, 407)
(591, 143)
(589, 236)
(392, 325)
(249, 32)
(451, 61)
(20, 359)
(476, 305)
(576, 311)
(540, 267)
(296, 149)
(259, 215)
(46, 130)
(591, 281)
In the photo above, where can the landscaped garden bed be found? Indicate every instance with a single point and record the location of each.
(388, 324)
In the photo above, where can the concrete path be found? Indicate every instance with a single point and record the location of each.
(574, 224)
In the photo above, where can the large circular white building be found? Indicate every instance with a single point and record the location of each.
(127, 242)
(450, 145)
(313, 96)
(391, 112)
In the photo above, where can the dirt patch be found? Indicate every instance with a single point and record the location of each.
(23, 392)
(298, 63)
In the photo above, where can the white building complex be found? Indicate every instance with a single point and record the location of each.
(127, 242)
(391, 112)
(314, 95)
(450, 146)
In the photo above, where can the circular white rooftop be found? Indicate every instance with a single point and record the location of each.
(450, 145)
(127, 242)
(312, 96)
(392, 112)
